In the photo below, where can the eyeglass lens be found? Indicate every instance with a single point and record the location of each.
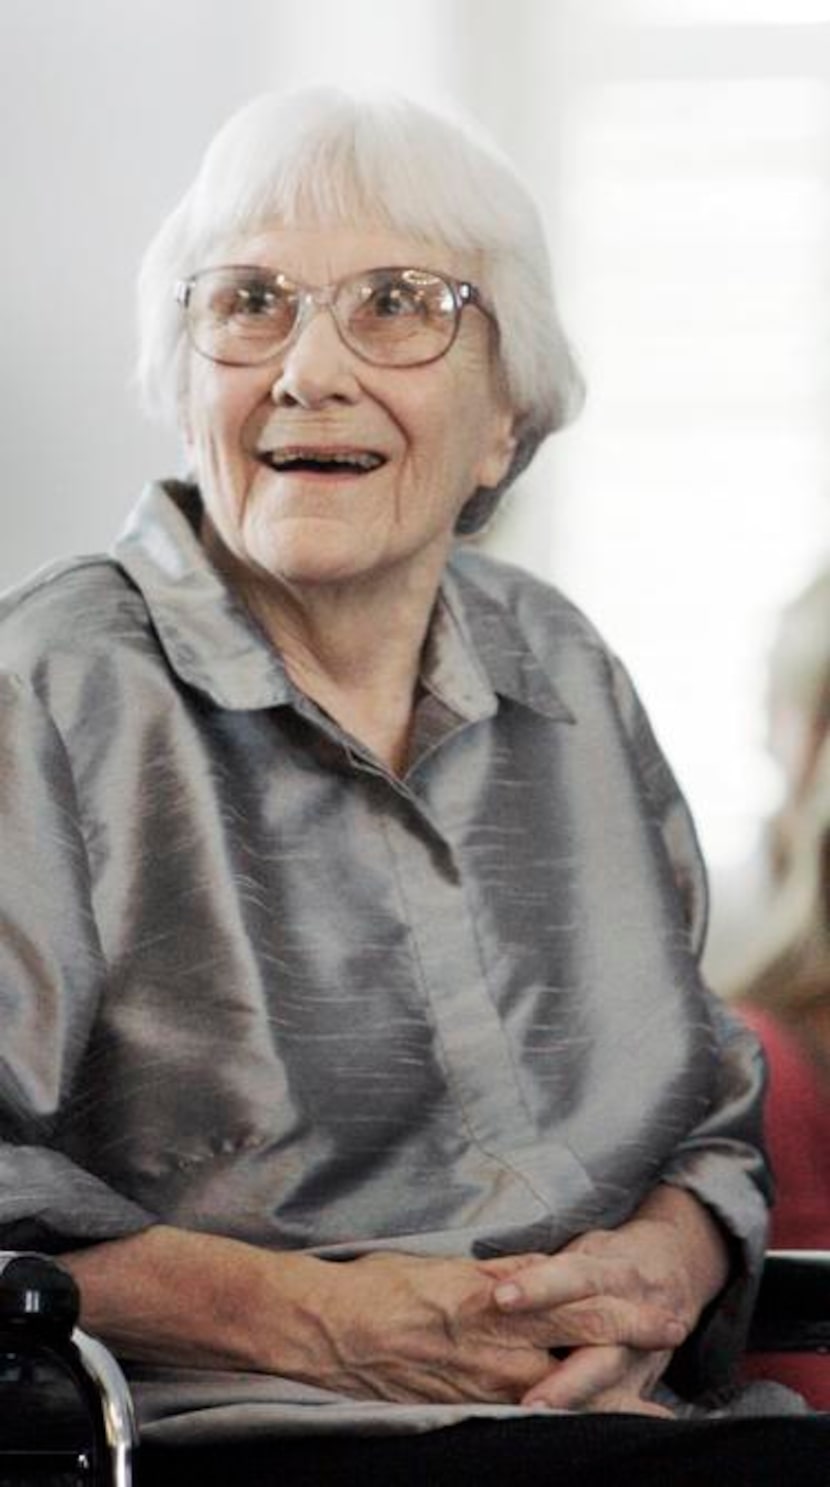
(388, 316)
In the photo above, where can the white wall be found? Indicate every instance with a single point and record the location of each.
(105, 107)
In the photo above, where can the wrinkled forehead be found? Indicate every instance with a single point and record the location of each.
(317, 253)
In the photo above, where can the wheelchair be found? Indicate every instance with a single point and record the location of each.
(89, 1422)
(86, 1436)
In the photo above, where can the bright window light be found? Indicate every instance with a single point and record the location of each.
(691, 496)
(724, 12)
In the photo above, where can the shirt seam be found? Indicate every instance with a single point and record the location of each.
(446, 1060)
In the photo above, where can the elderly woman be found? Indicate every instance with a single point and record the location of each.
(354, 1044)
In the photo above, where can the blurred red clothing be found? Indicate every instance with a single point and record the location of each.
(797, 1128)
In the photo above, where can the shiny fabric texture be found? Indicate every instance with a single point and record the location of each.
(251, 983)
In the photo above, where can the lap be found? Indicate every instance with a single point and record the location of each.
(576, 1451)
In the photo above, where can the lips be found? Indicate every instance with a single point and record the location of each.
(317, 460)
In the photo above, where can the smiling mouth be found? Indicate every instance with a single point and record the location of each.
(298, 460)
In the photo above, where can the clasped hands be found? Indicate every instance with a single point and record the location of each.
(618, 1301)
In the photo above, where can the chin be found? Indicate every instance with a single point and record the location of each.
(300, 559)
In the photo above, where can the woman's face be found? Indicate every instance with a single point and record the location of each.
(441, 430)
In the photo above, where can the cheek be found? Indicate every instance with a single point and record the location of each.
(217, 408)
(217, 448)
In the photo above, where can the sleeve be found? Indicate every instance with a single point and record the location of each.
(51, 976)
(722, 1162)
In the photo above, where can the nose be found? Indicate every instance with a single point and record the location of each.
(317, 367)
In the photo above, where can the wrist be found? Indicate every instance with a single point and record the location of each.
(284, 1304)
(174, 1296)
(703, 1245)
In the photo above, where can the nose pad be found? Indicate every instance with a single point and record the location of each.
(317, 367)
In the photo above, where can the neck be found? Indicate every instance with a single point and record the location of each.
(354, 648)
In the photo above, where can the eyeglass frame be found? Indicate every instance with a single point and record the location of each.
(323, 296)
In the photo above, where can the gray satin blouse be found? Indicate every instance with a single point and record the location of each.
(252, 983)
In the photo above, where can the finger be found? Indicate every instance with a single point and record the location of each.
(615, 1402)
(593, 1375)
(629, 1404)
(563, 1278)
(586, 1372)
(609, 1325)
(605, 1321)
(502, 1267)
(591, 1301)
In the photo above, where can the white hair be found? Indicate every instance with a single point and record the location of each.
(322, 156)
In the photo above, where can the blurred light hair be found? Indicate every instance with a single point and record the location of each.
(799, 661)
(790, 969)
(325, 157)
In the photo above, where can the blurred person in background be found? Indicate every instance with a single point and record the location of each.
(776, 967)
(798, 705)
(798, 720)
(786, 1000)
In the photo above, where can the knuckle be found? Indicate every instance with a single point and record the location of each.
(587, 1324)
(593, 1242)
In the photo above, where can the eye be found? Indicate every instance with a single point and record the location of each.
(254, 301)
(246, 302)
(252, 308)
(395, 299)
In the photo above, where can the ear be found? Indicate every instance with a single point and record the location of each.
(500, 447)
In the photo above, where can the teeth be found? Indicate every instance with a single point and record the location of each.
(367, 461)
(290, 459)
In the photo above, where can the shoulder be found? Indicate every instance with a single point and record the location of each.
(525, 618)
(80, 607)
(543, 613)
(564, 642)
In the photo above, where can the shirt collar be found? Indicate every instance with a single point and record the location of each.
(210, 639)
(496, 644)
(475, 652)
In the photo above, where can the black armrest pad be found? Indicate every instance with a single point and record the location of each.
(792, 1313)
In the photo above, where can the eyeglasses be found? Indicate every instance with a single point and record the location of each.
(392, 317)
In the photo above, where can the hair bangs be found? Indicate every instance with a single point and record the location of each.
(338, 160)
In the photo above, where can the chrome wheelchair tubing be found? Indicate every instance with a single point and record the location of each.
(115, 1403)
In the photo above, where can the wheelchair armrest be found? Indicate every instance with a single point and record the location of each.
(792, 1312)
(39, 1305)
(36, 1294)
